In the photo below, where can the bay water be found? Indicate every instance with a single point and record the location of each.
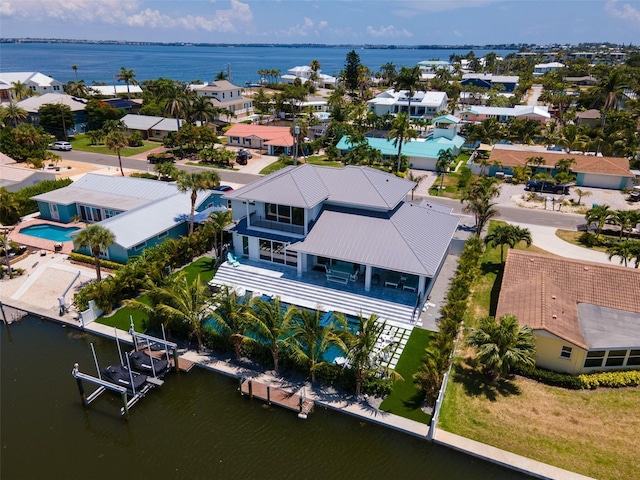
(102, 62)
(196, 426)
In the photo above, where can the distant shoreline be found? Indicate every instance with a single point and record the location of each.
(511, 46)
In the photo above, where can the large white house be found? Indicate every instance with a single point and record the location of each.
(35, 81)
(423, 104)
(224, 94)
(347, 229)
(305, 73)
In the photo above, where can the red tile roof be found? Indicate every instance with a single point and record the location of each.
(584, 163)
(543, 291)
(278, 136)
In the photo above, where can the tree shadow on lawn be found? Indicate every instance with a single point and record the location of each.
(495, 291)
(476, 383)
(415, 402)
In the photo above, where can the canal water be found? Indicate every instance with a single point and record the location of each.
(196, 426)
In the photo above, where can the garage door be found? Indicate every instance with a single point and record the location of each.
(601, 181)
(422, 163)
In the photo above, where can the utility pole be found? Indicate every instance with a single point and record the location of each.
(296, 134)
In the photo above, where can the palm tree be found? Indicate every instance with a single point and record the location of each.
(610, 89)
(10, 205)
(128, 77)
(21, 91)
(75, 70)
(176, 102)
(361, 354)
(509, 235)
(478, 196)
(196, 182)
(626, 220)
(266, 324)
(625, 250)
(219, 220)
(401, 132)
(408, 79)
(97, 238)
(116, 141)
(309, 339)
(203, 110)
(231, 318)
(430, 376)
(77, 89)
(572, 138)
(445, 159)
(417, 179)
(599, 215)
(15, 113)
(502, 345)
(582, 193)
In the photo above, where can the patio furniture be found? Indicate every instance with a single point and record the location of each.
(354, 276)
(232, 260)
(337, 277)
(411, 284)
(393, 280)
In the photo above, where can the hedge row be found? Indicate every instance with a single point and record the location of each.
(80, 258)
(589, 381)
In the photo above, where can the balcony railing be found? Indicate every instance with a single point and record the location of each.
(261, 222)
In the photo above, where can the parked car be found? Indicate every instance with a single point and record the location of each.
(548, 187)
(242, 156)
(62, 146)
(223, 188)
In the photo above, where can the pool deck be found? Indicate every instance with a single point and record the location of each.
(36, 243)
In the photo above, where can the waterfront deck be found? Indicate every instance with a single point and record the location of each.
(295, 401)
(314, 291)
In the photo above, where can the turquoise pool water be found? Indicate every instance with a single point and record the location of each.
(50, 232)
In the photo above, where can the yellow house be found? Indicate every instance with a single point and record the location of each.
(585, 316)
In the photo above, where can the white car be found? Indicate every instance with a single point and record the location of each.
(62, 146)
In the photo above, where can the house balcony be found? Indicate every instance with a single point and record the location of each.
(259, 221)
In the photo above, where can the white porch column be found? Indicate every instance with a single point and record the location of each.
(299, 266)
(422, 283)
(248, 222)
(367, 277)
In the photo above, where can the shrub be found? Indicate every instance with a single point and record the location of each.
(380, 387)
(150, 176)
(135, 139)
(589, 239)
(588, 381)
(81, 258)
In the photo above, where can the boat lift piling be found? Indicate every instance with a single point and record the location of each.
(148, 339)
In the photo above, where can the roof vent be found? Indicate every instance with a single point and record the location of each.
(586, 269)
(553, 297)
(531, 259)
(554, 316)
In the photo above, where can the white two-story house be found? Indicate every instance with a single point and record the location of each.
(224, 94)
(423, 104)
(347, 228)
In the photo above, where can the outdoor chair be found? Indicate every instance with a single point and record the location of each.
(411, 284)
(393, 280)
(232, 260)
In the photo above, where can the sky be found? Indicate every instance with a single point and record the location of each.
(384, 22)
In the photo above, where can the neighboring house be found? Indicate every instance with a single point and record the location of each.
(14, 178)
(542, 68)
(591, 118)
(304, 73)
(422, 154)
(488, 80)
(150, 126)
(224, 94)
(585, 316)
(503, 114)
(115, 90)
(77, 106)
(350, 222)
(587, 80)
(140, 212)
(429, 68)
(275, 140)
(35, 81)
(423, 104)
(591, 171)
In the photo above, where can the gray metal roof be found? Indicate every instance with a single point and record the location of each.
(364, 187)
(415, 239)
(168, 125)
(296, 186)
(138, 225)
(608, 328)
(121, 193)
(308, 185)
(140, 122)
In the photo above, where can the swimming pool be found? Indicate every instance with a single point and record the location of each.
(54, 233)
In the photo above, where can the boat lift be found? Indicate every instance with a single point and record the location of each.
(61, 300)
(148, 340)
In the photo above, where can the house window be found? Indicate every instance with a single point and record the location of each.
(634, 358)
(616, 358)
(565, 352)
(56, 87)
(245, 245)
(277, 252)
(140, 246)
(163, 234)
(594, 358)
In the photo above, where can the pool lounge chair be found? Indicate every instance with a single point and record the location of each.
(393, 280)
(233, 261)
(411, 284)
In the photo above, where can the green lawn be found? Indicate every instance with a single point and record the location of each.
(81, 142)
(121, 318)
(406, 400)
(313, 160)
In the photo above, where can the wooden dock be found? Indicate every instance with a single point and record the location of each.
(295, 401)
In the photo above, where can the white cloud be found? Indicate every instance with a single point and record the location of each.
(388, 31)
(626, 12)
(411, 8)
(127, 12)
(457, 33)
(306, 28)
